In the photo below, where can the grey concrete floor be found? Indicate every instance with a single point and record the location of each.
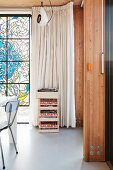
(47, 151)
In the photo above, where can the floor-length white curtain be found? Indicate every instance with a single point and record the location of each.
(52, 61)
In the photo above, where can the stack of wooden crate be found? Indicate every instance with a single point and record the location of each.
(48, 111)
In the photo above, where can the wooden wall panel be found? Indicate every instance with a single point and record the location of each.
(78, 25)
(94, 83)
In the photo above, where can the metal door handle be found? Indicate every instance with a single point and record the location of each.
(102, 63)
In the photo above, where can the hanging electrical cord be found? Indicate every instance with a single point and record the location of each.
(51, 12)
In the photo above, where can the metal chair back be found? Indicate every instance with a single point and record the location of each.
(11, 108)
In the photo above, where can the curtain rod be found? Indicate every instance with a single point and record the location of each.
(29, 8)
(54, 5)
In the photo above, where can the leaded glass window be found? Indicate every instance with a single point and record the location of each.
(15, 57)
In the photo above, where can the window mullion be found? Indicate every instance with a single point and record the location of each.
(7, 56)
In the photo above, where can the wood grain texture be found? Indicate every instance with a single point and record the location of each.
(94, 84)
(31, 3)
(78, 34)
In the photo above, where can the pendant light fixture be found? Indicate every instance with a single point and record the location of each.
(42, 18)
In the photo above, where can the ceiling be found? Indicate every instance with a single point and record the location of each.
(30, 3)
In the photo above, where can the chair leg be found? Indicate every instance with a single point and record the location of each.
(13, 140)
(2, 153)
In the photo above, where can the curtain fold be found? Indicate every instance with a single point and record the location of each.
(52, 61)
